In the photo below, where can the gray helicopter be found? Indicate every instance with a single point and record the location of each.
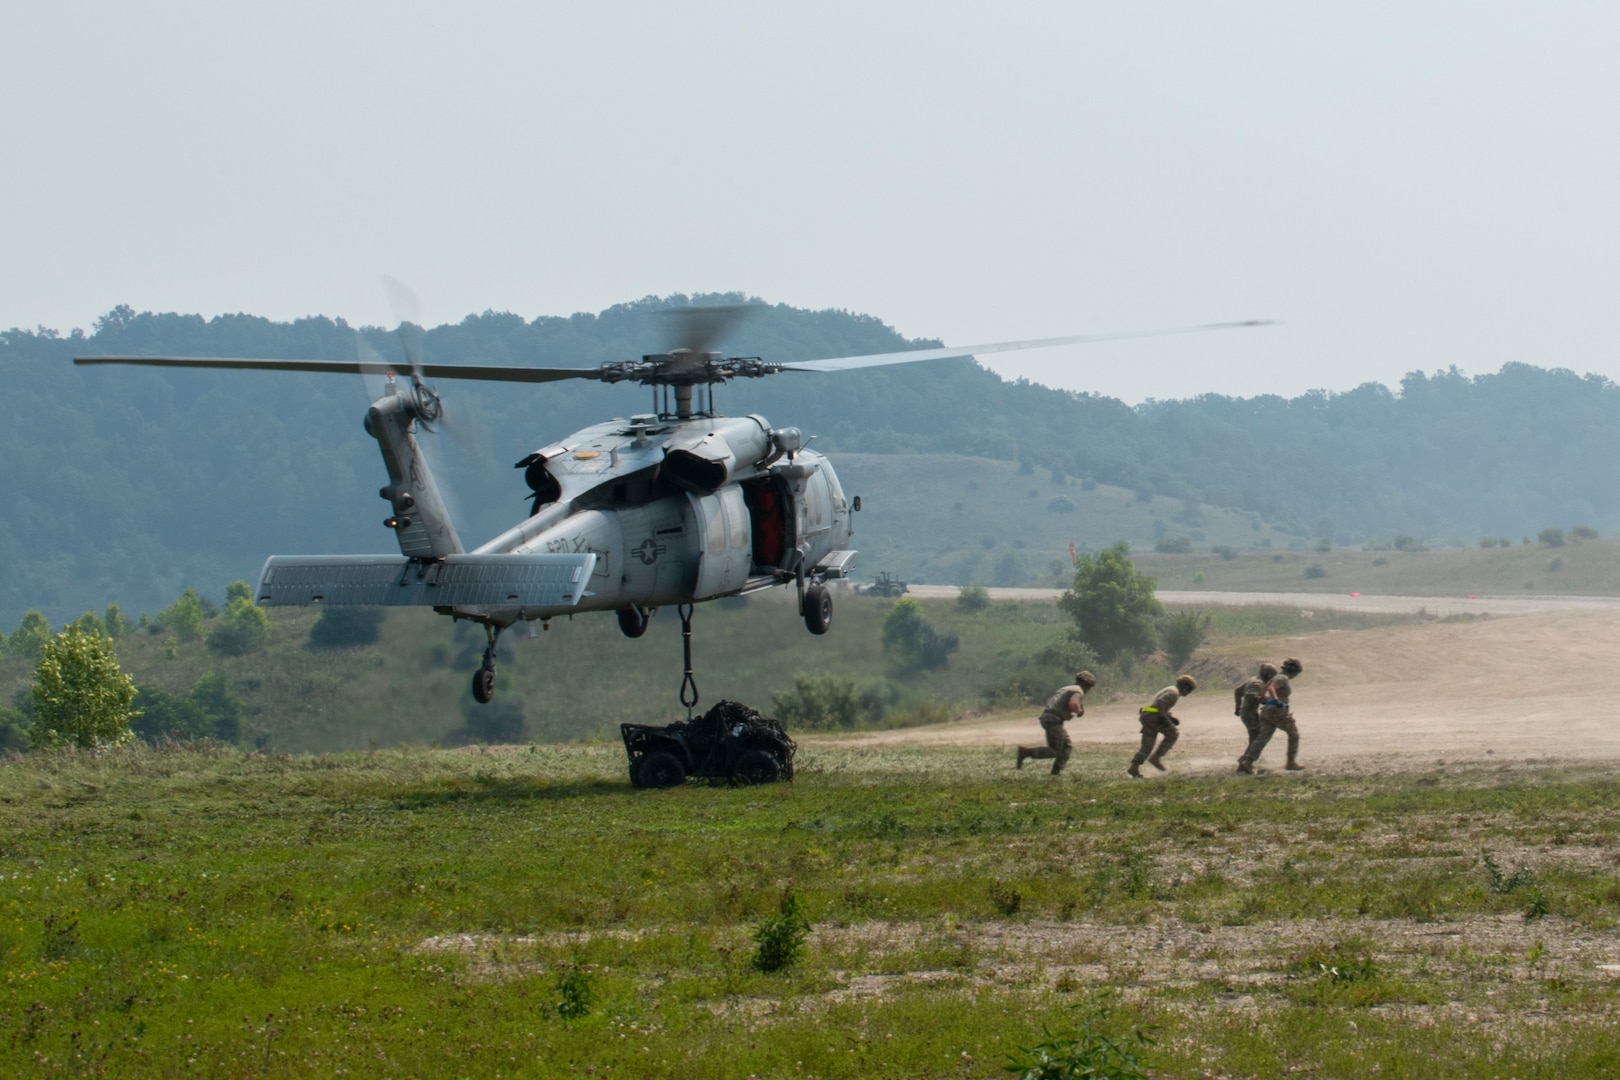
(670, 507)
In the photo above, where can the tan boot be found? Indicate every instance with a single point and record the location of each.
(1294, 766)
(1022, 754)
(1135, 770)
(1156, 763)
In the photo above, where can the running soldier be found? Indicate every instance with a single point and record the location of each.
(1246, 698)
(1275, 716)
(1158, 723)
(1067, 702)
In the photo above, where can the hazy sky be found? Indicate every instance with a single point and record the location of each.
(1405, 185)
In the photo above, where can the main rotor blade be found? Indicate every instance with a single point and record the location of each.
(699, 329)
(849, 363)
(484, 373)
(408, 311)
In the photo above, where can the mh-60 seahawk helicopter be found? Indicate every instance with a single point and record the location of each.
(674, 506)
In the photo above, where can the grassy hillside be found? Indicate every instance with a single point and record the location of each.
(1583, 568)
(428, 913)
(944, 519)
(583, 678)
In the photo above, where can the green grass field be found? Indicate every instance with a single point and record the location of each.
(423, 913)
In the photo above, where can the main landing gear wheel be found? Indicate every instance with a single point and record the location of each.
(483, 685)
(632, 622)
(817, 609)
(483, 680)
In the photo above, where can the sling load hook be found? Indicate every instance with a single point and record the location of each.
(689, 690)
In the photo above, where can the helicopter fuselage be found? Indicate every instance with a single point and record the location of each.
(677, 511)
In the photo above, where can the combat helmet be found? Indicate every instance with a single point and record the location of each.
(1186, 683)
(1085, 679)
(1268, 670)
(1292, 667)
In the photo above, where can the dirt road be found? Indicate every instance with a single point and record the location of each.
(1381, 605)
(1504, 689)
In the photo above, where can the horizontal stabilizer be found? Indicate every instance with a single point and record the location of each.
(531, 581)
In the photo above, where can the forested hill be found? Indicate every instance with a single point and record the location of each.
(128, 484)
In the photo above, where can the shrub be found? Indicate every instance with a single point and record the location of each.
(1181, 634)
(1225, 551)
(1407, 543)
(1316, 570)
(244, 628)
(972, 598)
(1551, 537)
(912, 642)
(1487, 541)
(1060, 504)
(168, 716)
(500, 721)
(779, 938)
(346, 627)
(1175, 545)
(828, 703)
(1583, 532)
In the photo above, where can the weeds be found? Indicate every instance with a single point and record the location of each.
(1086, 1051)
(574, 993)
(779, 938)
(1501, 883)
(1005, 899)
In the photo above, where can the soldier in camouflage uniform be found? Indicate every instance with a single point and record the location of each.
(1157, 723)
(1276, 715)
(1067, 702)
(1246, 698)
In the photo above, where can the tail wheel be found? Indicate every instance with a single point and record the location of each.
(817, 609)
(757, 767)
(632, 622)
(483, 685)
(661, 769)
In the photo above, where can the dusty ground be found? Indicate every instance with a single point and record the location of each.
(1497, 688)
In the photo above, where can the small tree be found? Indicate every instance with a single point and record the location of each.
(1113, 606)
(30, 637)
(244, 627)
(1552, 537)
(117, 624)
(184, 618)
(80, 696)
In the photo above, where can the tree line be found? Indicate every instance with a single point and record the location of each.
(135, 483)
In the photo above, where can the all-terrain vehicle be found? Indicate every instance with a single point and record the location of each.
(730, 742)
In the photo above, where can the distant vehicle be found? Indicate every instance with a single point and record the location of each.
(729, 742)
(885, 585)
